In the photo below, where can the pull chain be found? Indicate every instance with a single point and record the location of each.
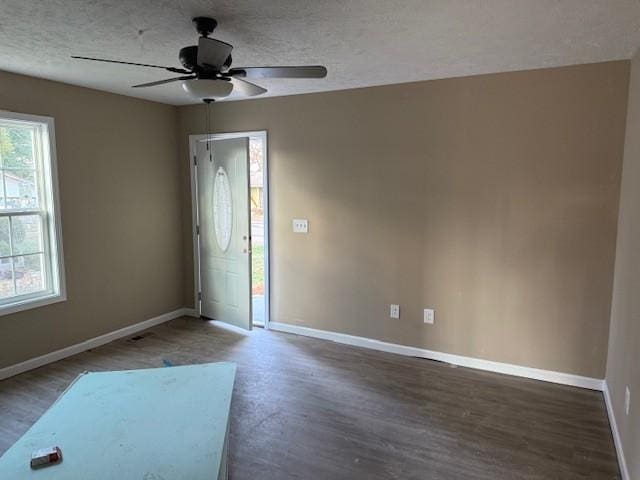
(206, 125)
(208, 122)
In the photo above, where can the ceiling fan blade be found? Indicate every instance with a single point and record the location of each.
(246, 88)
(171, 69)
(162, 82)
(311, 71)
(212, 53)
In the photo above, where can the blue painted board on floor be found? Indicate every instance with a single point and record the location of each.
(152, 424)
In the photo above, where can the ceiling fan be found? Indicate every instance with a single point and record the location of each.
(207, 74)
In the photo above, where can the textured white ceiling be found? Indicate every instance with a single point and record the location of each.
(362, 42)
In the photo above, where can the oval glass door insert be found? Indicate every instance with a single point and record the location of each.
(222, 209)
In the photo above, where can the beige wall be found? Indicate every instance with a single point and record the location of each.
(492, 199)
(121, 220)
(623, 364)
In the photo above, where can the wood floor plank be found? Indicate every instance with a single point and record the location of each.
(311, 409)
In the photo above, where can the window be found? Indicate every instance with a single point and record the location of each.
(31, 266)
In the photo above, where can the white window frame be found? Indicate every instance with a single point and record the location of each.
(51, 224)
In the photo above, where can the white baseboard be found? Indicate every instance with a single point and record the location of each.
(12, 370)
(506, 368)
(191, 312)
(616, 434)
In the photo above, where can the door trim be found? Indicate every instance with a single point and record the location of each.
(195, 219)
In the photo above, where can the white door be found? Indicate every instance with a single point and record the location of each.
(224, 226)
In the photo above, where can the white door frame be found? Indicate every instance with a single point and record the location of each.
(195, 219)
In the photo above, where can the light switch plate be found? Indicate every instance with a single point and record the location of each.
(429, 315)
(300, 225)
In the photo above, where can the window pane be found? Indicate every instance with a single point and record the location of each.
(5, 246)
(25, 231)
(6, 279)
(16, 147)
(28, 242)
(29, 274)
(2, 199)
(20, 189)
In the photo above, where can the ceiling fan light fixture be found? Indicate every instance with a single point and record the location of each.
(206, 73)
(205, 89)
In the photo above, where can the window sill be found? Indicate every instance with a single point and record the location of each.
(30, 303)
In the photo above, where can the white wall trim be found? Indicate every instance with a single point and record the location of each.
(614, 431)
(477, 363)
(193, 169)
(21, 367)
(191, 312)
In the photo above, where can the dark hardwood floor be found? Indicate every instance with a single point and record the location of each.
(312, 409)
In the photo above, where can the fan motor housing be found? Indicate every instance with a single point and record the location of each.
(189, 58)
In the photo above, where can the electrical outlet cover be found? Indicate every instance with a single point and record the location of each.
(394, 311)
